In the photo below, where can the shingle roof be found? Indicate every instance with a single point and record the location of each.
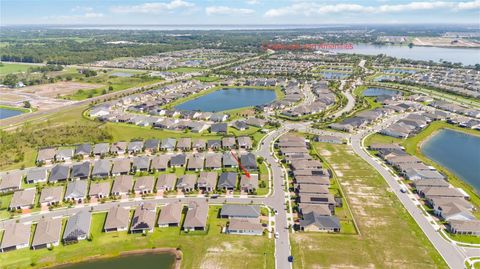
(51, 194)
(196, 215)
(59, 172)
(240, 211)
(171, 213)
(23, 198)
(77, 226)
(47, 231)
(76, 189)
(117, 217)
(15, 234)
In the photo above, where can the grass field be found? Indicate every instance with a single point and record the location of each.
(210, 250)
(186, 69)
(389, 237)
(6, 68)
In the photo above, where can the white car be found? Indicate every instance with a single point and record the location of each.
(276, 235)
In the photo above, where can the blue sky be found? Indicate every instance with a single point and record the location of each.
(237, 12)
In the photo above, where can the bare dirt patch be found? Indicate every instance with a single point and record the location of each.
(59, 88)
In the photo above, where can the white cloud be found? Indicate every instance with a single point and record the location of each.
(74, 18)
(154, 7)
(222, 10)
(80, 8)
(311, 8)
(252, 2)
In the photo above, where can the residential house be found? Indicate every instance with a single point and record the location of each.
(240, 211)
(214, 144)
(46, 155)
(117, 219)
(184, 144)
(323, 210)
(152, 145)
(227, 181)
(318, 223)
(81, 171)
(99, 190)
(168, 144)
(119, 148)
(64, 155)
(101, 149)
(166, 182)
(470, 227)
(328, 139)
(187, 182)
(78, 227)
(199, 144)
(207, 181)
(36, 175)
(76, 191)
(11, 181)
(178, 160)
(141, 164)
(249, 184)
(170, 215)
(59, 173)
(47, 233)
(121, 166)
(51, 196)
(22, 199)
(135, 147)
(144, 185)
(15, 236)
(101, 169)
(219, 128)
(245, 226)
(122, 185)
(144, 218)
(196, 218)
(229, 160)
(195, 162)
(228, 142)
(213, 161)
(83, 150)
(245, 142)
(160, 162)
(240, 125)
(249, 161)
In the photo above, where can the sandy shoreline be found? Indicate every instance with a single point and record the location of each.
(176, 265)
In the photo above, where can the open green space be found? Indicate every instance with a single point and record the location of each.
(186, 69)
(388, 235)
(7, 68)
(200, 250)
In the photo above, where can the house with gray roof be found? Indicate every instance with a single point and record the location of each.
(240, 211)
(135, 147)
(151, 145)
(199, 144)
(76, 191)
(63, 155)
(99, 189)
(240, 125)
(121, 166)
(168, 144)
(101, 169)
(47, 233)
(101, 149)
(187, 182)
(144, 218)
(166, 182)
(244, 142)
(160, 162)
(117, 220)
(229, 160)
(23, 199)
(59, 172)
(178, 160)
(141, 164)
(119, 148)
(11, 181)
(214, 144)
(51, 196)
(83, 150)
(227, 181)
(122, 185)
(184, 144)
(195, 162)
(416, 174)
(207, 181)
(228, 142)
(323, 210)
(36, 175)
(81, 171)
(467, 227)
(213, 161)
(196, 218)
(219, 128)
(78, 227)
(218, 117)
(249, 161)
(249, 184)
(245, 226)
(317, 223)
(170, 215)
(15, 236)
(46, 155)
(144, 185)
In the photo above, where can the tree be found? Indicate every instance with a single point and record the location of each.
(26, 104)
(10, 80)
(110, 88)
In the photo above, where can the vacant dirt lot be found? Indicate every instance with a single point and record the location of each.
(444, 42)
(59, 88)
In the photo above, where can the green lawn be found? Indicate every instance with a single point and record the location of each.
(186, 69)
(389, 237)
(199, 250)
(6, 68)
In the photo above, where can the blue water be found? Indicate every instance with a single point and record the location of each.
(229, 98)
(458, 152)
(379, 91)
(400, 71)
(7, 113)
(334, 75)
(455, 55)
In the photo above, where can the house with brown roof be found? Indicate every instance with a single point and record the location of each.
(195, 162)
(47, 233)
(118, 148)
(144, 185)
(187, 182)
(144, 218)
(117, 219)
(207, 181)
(321, 209)
(46, 155)
(184, 144)
(160, 162)
(213, 161)
(11, 181)
(467, 227)
(196, 218)
(15, 236)
(122, 185)
(23, 199)
(51, 196)
(166, 182)
(245, 226)
(170, 215)
(121, 166)
(228, 142)
(199, 144)
(249, 184)
(245, 142)
(99, 189)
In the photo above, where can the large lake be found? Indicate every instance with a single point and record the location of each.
(229, 98)
(143, 261)
(458, 152)
(372, 91)
(455, 55)
(7, 113)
